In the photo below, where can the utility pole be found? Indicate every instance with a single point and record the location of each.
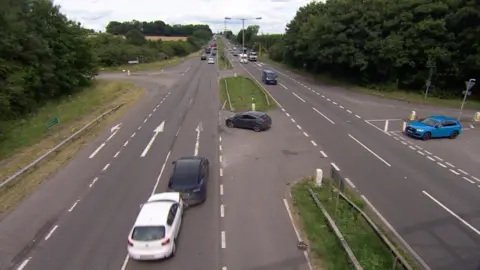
(429, 80)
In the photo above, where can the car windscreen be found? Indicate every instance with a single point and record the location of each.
(429, 122)
(148, 233)
(271, 76)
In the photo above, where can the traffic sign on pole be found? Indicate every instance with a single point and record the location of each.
(469, 84)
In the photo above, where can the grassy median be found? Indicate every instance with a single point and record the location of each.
(323, 243)
(223, 62)
(242, 92)
(27, 139)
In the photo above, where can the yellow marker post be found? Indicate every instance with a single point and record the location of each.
(477, 117)
(253, 106)
(413, 115)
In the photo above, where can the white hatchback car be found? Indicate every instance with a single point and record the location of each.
(211, 60)
(157, 226)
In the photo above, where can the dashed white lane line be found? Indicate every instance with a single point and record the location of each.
(369, 150)
(154, 109)
(125, 144)
(222, 211)
(438, 158)
(350, 183)
(452, 213)
(283, 110)
(283, 86)
(150, 115)
(462, 171)
(418, 147)
(421, 153)
(441, 164)
(24, 263)
(97, 150)
(454, 172)
(468, 180)
(411, 147)
(287, 114)
(133, 135)
(427, 152)
(476, 179)
(220, 157)
(349, 111)
(306, 135)
(221, 172)
(323, 96)
(293, 120)
(220, 147)
(50, 233)
(314, 143)
(73, 205)
(106, 167)
(358, 116)
(224, 242)
(450, 164)
(341, 107)
(404, 143)
(432, 159)
(323, 154)
(221, 189)
(111, 136)
(334, 102)
(144, 121)
(299, 127)
(324, 116)
(220, 138)
(116, 154)
(93, 182)
(329, 99)
(139, 127)
(298, 97)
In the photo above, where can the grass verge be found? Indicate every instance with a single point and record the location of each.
(224, 63)
(153, 65)
(243, 92)
(324, 245)
(30, 138)
(397, 95)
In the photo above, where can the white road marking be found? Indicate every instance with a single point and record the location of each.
(97, 150)
(220, 147)
(224, 103)
(411, 147)
(455, 172)
(334, 102)
(462, 171)
(324, 116)
(106, 167)
(221, 172)
(428, 152)
(293, 120)
(73, 206)
(222, 211)
(161, 172)
(220, 157)
(358, 116)
(283, 110)
(224, 242)
(441, 164)
(323, 96)
(150, 115)
(432, 159)
(221, 190)
(24, 263)
(314, 143)
(287, 114)
(178, 131)
(418, 147)
(133, 135)
(125, 262)
(450, 164)
(220, 138)
(368, 149)
(341, 107)
(329, 99)
(298, 97)
(144, 121)
(283, 86)
(349, 111)
(291, 220)
(299, 127)
(452, 213)
(51, 232)
(396, 138)
(471, 126)
(385, 128)
(111, 136)
(421, 153)
(438, 158)
(468, 180)
(323, 154)
(306, 135)
(335, 166)
(139, 127)
(126, 143)
(476, 179)
(368, 122)
(116, 154)
(154, 109)
(350, 183)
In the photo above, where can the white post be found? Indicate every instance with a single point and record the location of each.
(319, 177)
(253, 106)
(404, 126)
(128, 72)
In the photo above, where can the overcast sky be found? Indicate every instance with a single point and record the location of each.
(97, 13)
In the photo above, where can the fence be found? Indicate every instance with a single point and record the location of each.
(399, 262)
(16, 175)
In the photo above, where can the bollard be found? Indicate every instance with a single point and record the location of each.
(253, 106)
(476, 118)
(413, 115)
(319, 177)
(404, 126)
(128, 72)
(123, 70)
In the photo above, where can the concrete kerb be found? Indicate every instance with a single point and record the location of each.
(228, 96)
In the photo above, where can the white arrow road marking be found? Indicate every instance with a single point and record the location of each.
(155, 134)
(116, 128)
(197, 143)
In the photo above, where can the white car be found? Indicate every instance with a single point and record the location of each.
(211, 61)
(154, 233)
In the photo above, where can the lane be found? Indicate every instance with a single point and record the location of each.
(433, 232)
(201, 225)
(93, 236)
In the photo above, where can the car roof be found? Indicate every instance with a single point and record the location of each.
(187, 166)
(268, 71)
(254, 113)
(442, 118)
(165, 196)
(154, 212)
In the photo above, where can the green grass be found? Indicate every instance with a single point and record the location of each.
(326, 248)
(243, 92)
(224, 63)
(391, 94)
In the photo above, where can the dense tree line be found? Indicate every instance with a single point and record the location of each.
(385, 44)
(44, 55)
(156, 28)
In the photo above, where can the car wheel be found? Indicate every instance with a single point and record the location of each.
(454, 134)
(257, 129)
(230, 124)
(427, 136)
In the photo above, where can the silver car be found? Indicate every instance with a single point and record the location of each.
(211, 61)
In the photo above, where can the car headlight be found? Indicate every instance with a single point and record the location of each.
(420, 130)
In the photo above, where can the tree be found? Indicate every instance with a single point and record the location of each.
(135, 37)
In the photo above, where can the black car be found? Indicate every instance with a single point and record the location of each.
(257, 121)
(203, 57)
(269, 77)
(190, 177)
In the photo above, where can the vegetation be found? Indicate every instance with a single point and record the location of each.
(224, 63)
(383, 45)
(243, 92)
(325, 246)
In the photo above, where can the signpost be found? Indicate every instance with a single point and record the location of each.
(468, 85)
(52, 122)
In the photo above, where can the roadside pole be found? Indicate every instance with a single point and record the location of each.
(469, 84)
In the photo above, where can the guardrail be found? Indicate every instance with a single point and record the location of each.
(399, 261)
(56, 148)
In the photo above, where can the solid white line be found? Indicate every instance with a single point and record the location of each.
(116, 154)
(51, 232)
(97, 150)
(450, 164)
(462, 171)
(455, 172)
(133, 135)
(161, 172)
(106, 167)
(291, 220)
(324, 116)
(111, 136)
(421, 153)
(368, 149)
(24, 263)
(73, 206)
(323, 154)
(221, 189)
(298, 97)
(224, 243)
(438, 158)
(468, 180)
(304, 133)
(125, 262)
(283, 86)
(335, 166)
(385, 129)
(222, 211)
(443, 165)
(349, 111)
(432, 159)
(358, 116)
(126, 143)
(93, 182)
(220, 157)
(287, 114)
(350, 183)
(368, 122)
(314, 143)
(428, 152)
(452, 213)
(221, 172)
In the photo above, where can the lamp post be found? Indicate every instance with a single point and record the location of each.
(243, 38)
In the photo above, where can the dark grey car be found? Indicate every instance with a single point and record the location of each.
(258, 121)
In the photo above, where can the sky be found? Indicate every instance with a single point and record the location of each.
(96, 14)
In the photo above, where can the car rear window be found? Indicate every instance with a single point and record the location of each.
(148, 233)
(265, 117)
(186, 173)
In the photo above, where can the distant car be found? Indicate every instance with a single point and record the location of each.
(235, 53)
(190, 177)
(203, 57)
(211, 60)
(214, 53)
(258, 121)
(434, 127)
(156, 229)
(269, 77)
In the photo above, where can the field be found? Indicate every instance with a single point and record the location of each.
(165, 38)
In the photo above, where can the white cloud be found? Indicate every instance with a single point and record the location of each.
(97, 13)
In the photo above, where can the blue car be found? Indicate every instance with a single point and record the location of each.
(189, 178)
(434, 127)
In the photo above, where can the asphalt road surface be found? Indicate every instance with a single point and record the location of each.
(81, 218)
(430, 200)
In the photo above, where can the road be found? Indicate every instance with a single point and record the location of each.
(431, 204)
(81, 218)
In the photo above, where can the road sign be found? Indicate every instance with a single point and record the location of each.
(469, 93)
(469, 84)
(52, 122)
(133, 62)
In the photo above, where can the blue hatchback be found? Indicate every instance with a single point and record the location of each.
(434, 127)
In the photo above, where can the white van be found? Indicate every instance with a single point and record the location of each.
(243, 58)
